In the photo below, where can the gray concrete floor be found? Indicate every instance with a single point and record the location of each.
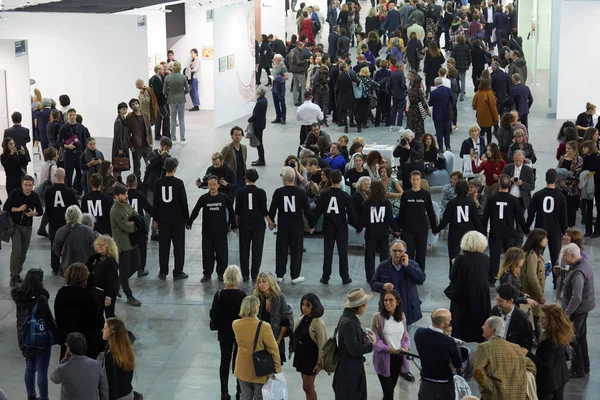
(178, 356)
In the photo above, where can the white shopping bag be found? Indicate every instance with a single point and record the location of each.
(275, 388)
(461, 387)
(467, 167)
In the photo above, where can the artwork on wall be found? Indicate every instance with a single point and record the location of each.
(222, 64)
(230, 61)
(208, 53)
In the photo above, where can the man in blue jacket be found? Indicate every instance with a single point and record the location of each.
(396, 85)
(332, 39)
(392, 21)
(403, 275)
(502, 25)
(441, 99)
(520, 96)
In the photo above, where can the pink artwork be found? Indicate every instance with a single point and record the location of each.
(248, 92)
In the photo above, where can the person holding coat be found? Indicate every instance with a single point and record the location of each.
(484, 103)
(226, 309)
(469, 290)
(349, 379)
(310, 336)
(77, 310)
(389, 327)
(258, 119)
(533, 273)
(29, 294)
(247, 330)
(121, 139)
(265, 59)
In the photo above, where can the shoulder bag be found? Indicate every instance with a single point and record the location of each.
(263, 360)
(121, 163)
(41, 190)
(331, 353)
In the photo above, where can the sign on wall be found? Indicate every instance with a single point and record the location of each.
(20, 48)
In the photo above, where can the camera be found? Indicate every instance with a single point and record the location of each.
(515, 179)
(293, 164)
(403, 142)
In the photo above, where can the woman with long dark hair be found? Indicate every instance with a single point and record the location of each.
(492, 167)
(118, 359)
(414, 119)
(505, 134)
(14, 161)
(108, 179)
(434, 59)
(591, 163)
(310, 336)
(378, 218)
(430, 151)
(533, 273)
(389, 327)
(103, 281)
(572, 162)
(566, 134)
(29, 294)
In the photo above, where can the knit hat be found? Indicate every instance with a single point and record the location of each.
(122, 105)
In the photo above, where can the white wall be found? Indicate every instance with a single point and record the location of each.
(272, 18)
(156, 23)
(236, 87)
(94, 58)
(17, 83)
(577, 77)
(199, 33)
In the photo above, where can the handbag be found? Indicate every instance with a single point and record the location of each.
(358, 90)
(121, 163)
(373, 101)
(429, 168)
(250, 135)
(263, 360)
(212, 324)
(422, 109)
(36, 334)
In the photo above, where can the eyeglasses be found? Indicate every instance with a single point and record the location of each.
(398, 251)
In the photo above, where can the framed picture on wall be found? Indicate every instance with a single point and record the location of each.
(222, 64)
(208, 53)
(230, 61)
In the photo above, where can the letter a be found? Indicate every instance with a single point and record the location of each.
(333, 206)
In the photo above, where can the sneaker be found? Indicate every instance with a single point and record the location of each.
(174, 140)
(181, 276)
(220, 278)
(346, 281)
(279, 280)
(299, 279)
(205, 279)
(162, 276)
(132, 301)
(195, 108)
(183, 141)
(323, 281)
(141, 273)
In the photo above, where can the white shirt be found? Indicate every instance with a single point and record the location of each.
(447, 83)
(393, 332)
(309, 113)
(507, 318)
(490, 15)
(515, 189)
(48, 167)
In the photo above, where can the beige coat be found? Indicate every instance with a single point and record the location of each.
(228, 153)
(245, 331)
(318, 334)
(533, 279)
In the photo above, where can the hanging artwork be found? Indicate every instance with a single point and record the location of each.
(230, 61)
(208, 53)
(222, 64)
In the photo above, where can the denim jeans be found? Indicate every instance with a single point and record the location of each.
(177, 111)
(463, 83)
(397, 109)
(442, 133)
(37, 363)
(280, 108)
(194, 93)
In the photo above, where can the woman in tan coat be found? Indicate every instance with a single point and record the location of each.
(245, 330)
(533, 273)
(484, 102)
(310, 336)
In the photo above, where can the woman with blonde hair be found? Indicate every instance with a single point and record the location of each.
(299, 170)
(118, 360)
(103, 281)
(369, 89)
(469, 289)
(226, 309)
(274, 308)
(510, 272)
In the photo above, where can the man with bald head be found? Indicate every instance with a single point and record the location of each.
(58, 198)
(437, 352)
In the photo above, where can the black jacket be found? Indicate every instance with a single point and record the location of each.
(24, 306)
(139, 236)
(21, 137)
(278, 47)
(343, 46)
(551, 363)
(504, 211)
(154, 169)
(518, 330)
(119, 380)
(549, 208)
(259, 114)
(58, 198)
(266, 55)
(228, 174)
(376, 219)
(332, 39)
(461, 213)
(98, 204)
(334, 204)
(104, 278)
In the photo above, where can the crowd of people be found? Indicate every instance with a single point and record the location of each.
(99, 221)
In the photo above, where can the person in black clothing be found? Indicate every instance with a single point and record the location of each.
(98, 204)
(251, 211)
(215, 207)
(155, 169)
(171, 213)
(353, 174)
(103, 281)
(503, 210)
(518, 328)
(22, 204)
(585, 119)
(265, 59)
(334, 204)
(53, 128)
(437, 352)
(377, 218)
(259, 122)
(410, 152)
(225, 174)
(58, 198)
(226, 309)
(140, 203)
(72, 137)
(119, 359)
(549, 208)
(591, 163)
(14, 161)
(416, 210)
(461, 213)
(291, 205)
(29, 294)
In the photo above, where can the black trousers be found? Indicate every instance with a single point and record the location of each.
(129, 263)
(383, 108)
(554, 246)
(454, 238)
(488, 35)
(497, 247)
(214, 247)
(416, 246)
(259, 73)
(590, 226)
(436, 391)
(73, 170)
(228, 356)
(167, 233)
(558, 394)
(304, 131)
(388, 383)
(292, 239)
(329, 240)
(524, 120)
(488, 132)
(572, 207)
(143, 253)
(581, 361)
(371, 247)
(333, 106)
(260, 149)
(255, 240)
(54, 259)
(163, 122)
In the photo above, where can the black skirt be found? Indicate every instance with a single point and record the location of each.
(306, 352)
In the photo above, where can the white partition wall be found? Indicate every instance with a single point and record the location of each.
(94, 58)
(574, 71)
(235, 86)
(272, 18)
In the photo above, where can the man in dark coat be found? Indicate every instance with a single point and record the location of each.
(259, 122)
(392, 21)
(343, 44)
(500, 85)
(277, 45)
(441, 100)
(520, 97)
(396, 85)
(265, 59)
(19, 134)
(163, 121)
(332, 39)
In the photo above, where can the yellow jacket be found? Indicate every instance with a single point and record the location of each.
(245, 331)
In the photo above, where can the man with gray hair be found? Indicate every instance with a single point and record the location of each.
(441, 99)
(500, 366)
(522, 183)
(280, 75)
(520, 97)
(292, 205)
(578, 300)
